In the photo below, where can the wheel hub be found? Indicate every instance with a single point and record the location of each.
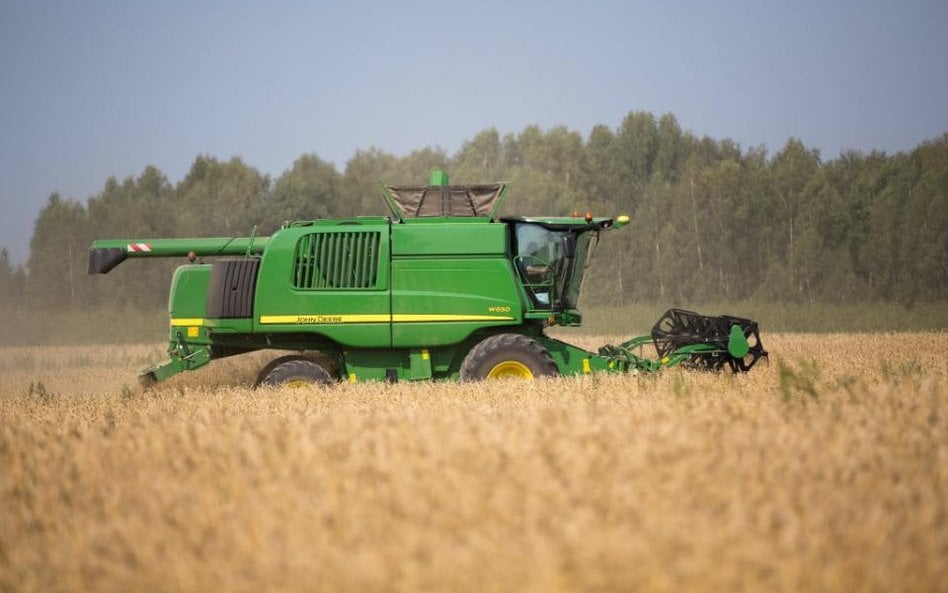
(510, 369)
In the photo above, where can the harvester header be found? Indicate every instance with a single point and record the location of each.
(441, 289)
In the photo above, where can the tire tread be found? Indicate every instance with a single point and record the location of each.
(542, 364)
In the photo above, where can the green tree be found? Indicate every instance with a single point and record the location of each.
(416, 168)
(361, 190)
(11, 280)
(670, 149)
(709, 220)
(924, 262)
(309, 190)
(58, 251)
(790, 172)
(547, 171)
(222, 199)
(603, 170)
(480, 160)
(637, 145)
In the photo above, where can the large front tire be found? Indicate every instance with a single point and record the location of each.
(507, 356)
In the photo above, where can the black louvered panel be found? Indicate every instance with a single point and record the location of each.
(337, 260)
(231, 289)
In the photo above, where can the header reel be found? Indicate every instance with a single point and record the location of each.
(695, 341)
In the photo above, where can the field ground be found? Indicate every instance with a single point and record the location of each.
(826, 470)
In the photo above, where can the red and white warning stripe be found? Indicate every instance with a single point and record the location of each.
(139, 247)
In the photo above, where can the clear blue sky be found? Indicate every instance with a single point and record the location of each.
(92, 89)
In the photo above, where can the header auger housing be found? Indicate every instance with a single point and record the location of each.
(442, 289)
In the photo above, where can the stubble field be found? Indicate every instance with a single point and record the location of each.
(826, 470)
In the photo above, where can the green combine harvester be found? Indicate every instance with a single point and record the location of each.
(442, 289)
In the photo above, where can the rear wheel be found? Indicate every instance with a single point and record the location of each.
(294, 371)
(507, 356)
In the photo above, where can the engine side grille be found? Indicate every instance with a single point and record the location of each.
(337, 260)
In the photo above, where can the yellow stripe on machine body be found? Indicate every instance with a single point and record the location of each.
(397, 318)
(184, 322)
(408, 318)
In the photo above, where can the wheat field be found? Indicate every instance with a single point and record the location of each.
(826, 470)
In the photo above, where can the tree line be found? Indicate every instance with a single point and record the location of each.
(710, 220)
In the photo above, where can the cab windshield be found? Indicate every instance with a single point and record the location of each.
(551, 277)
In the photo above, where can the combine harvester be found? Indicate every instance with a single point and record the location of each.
(442, 289)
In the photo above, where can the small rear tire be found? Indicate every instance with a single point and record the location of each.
(294, 372)
(508, 356)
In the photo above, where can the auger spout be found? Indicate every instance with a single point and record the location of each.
(106, 254)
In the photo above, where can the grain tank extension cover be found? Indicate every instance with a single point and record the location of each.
(445, 200)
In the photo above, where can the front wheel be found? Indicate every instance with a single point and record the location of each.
(508, 356)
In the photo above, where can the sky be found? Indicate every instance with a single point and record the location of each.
(95, 89)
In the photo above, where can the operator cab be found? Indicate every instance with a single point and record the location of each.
(551, 260)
